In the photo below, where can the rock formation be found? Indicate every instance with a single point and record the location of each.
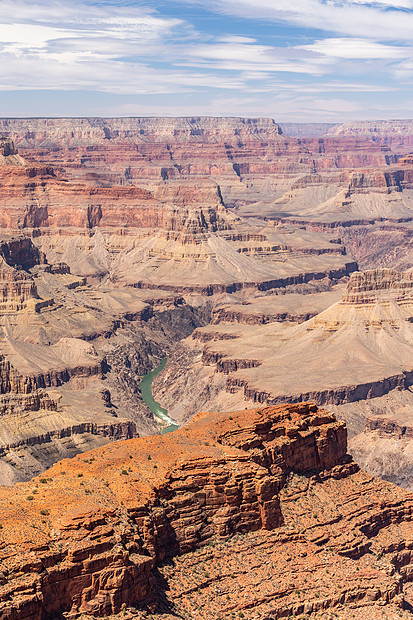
(397, 133)
(232, 248)
(269, 497)
(8, 153)
(259, 169)
(129, 234)
(360, 348)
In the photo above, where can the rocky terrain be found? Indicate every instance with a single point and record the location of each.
(343, 176)
(198, 524)
(71, 358)
(269, 265)
(122, 237)
(101, 277)
(357, 351)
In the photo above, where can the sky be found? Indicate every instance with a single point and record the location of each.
(291, 60)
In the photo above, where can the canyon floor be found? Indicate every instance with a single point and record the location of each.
(269, 265)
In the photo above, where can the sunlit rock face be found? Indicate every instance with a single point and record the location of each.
(110, 524)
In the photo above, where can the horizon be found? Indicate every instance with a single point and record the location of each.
(307, 61)
(202, 116)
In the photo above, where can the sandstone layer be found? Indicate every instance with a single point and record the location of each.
(260, 171)
(275, 508)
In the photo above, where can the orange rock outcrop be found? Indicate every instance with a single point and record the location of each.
(92, 534)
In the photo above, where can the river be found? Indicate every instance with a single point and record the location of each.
(145, 387)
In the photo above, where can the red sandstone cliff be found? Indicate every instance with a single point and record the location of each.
(87, 535)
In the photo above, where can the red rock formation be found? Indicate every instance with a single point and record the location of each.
(161, 149)
(86, 535)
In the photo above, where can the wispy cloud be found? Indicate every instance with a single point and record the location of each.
(382, 20)
(129, 48)
(240, 56)
(362, 49)
(54, 45)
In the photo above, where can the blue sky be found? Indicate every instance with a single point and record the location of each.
(292, 60)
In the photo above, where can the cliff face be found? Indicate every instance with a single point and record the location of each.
(94, 529)
(359, 348)
(7, 147)
(91, 131)
(369, 287)
(190, 176)
(254, 164)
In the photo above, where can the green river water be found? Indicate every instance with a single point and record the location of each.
(145, 387)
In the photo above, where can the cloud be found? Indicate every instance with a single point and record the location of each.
(382, 20)
(393, 4)
(357, 49)
(253, 58)
(126, 48)
(56, 45)
(236, 39)
(281, 107)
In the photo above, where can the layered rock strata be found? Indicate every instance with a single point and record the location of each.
(114, 217)
(88, 535)
(339, 177)
(159, 233)
(359, 348)
(397, 133)
(72, 356)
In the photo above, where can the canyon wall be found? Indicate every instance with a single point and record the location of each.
(117, 231)
(95, 528)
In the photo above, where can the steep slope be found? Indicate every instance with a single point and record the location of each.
(359, 348)
(273, 494)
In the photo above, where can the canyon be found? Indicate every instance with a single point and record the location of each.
(129, 234)
(272, 266)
